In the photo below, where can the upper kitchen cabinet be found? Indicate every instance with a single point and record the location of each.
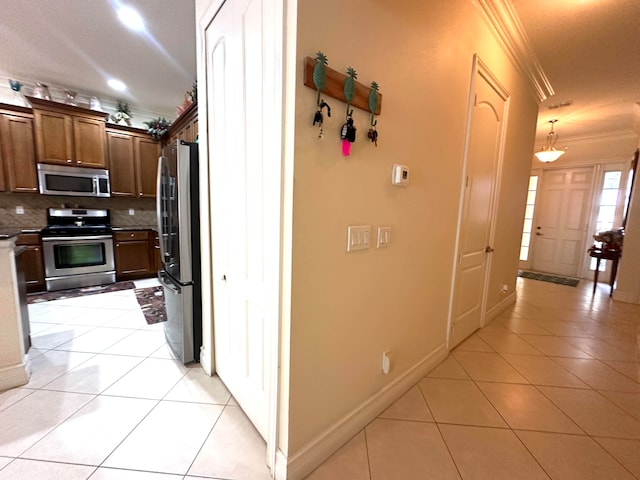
(17, 156)
(67, 135)
(185, 127)
(133, 162)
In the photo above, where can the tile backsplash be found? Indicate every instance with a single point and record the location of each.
(35, 206)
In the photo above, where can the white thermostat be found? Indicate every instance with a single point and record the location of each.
(400, 175)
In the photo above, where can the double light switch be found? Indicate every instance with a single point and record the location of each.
(358, 237)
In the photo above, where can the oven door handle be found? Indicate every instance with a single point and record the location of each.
(79, 237)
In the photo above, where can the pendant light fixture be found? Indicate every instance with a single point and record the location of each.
(548, 153)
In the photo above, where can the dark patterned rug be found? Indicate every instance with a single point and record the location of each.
(78, 292)
(570, 282)
(151, 302)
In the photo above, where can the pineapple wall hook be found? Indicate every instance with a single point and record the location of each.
(348, 130)
(320, 80)
(373, 106)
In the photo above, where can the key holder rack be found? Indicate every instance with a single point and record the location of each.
(334, 87)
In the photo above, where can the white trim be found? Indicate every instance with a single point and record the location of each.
(15, 375)
(626, 297)
(280, 470)
(318, 450)
(503, 20)
(503, 305)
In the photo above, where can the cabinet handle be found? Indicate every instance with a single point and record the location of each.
(79, 162)
(36, 249)
(69, 161)
(117, 244)
(140, 194)
(132, 235)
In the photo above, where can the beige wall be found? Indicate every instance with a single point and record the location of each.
(347, 308)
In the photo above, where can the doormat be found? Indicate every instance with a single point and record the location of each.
(78, 292)
(151, 302)
(570, 282)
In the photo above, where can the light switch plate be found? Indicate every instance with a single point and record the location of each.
(132, 211)
(358, 237)
(384, 237)
(19, 210)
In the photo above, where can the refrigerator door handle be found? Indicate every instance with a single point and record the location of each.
(162, 277)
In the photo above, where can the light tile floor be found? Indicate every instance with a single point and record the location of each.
(549, 389)
(108, 401)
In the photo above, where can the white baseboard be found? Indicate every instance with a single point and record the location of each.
(14, 375)
(317, 451)
(506, 302)
(626, 297)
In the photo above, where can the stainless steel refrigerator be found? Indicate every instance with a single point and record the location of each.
(179, 232)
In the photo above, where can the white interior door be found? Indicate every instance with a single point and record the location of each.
(474, 249)
(561, 221)
(244, 203)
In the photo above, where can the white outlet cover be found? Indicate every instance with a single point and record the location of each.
(132, 211)
(19, 210)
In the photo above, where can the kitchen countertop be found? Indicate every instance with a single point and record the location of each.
(8, 232)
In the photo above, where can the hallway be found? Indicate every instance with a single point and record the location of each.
(549, 389)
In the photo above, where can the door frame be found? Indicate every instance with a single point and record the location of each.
(273, 28)
(479, 68)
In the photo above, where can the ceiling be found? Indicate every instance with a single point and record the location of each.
(585, 47)
(80, 44)
(589, 53)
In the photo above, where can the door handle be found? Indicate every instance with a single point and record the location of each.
(488, 249)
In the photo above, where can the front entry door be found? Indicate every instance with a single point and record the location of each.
(483, 153)
(561, 221)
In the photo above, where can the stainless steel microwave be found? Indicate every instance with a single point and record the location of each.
(78, 182)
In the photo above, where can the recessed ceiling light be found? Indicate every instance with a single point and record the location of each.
(131, 19)
(117, 85)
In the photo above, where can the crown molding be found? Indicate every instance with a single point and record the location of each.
(609, 136)
(503, 20)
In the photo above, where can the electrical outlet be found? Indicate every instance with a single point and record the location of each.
(132, 211)
(386, 362)
(504, 288)
(19, 210)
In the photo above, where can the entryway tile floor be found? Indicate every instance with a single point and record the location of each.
(549, 389)
(108, 401)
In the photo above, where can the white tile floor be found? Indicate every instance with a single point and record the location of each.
(108, 401)
(550, 389)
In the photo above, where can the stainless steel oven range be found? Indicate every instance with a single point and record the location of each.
(78, 248)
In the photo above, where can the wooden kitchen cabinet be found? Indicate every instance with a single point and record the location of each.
(17, 156)
(185, 127)
(68, 135)
(32, 261)
(133, 162)
(155, 246)
(133, 255)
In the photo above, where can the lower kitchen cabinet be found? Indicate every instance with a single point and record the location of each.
(134, 255)
(32, 263)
